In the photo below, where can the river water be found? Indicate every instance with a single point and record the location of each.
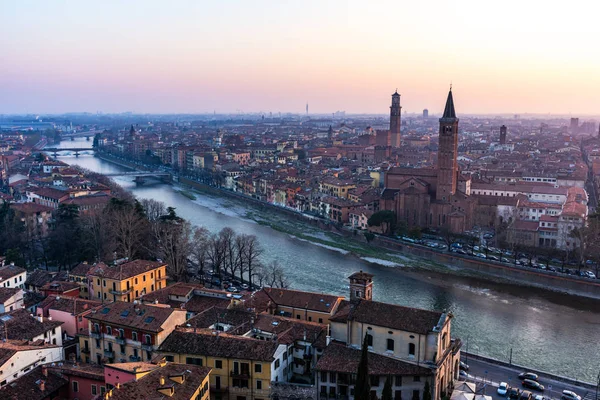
(548, 331)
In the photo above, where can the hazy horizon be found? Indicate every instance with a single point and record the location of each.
(150, 57)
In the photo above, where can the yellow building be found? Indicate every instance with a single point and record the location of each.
(242, 367)
(127, 281)
(79, 274)
(336, 187)
(122, 332)
(307, 306)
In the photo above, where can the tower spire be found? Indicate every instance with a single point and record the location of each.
(449, 109)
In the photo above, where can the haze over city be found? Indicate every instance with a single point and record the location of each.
(260, 56)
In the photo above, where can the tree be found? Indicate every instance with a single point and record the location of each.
(174, 242)
(129, 226)
(427, 391)
(369, 236)
(386, 394)
(362, 387)
(386, 219)
(199, 250)
(66, 240)
(415, 232)
(250, 255)
(271, 275)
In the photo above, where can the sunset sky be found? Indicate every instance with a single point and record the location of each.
(260, 56)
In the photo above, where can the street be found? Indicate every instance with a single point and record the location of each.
(488, 376)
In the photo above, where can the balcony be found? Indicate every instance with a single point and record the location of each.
(95, 335)
(109, 353)
(245, 374)
(120, 292)
(134, 358)
(147, 347)
(85, 350)
(246, 391)
(120, 340)
(222, 389)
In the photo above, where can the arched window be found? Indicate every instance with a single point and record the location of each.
(390, 344)
(411, 349)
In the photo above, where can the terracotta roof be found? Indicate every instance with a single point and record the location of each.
(39, 277)
(343, 359)
(60, 286)
(52, 193)
(72, 305)
(391, 316)
(176, 289)
(361, 276)
(289, 330)
(138, 316)
(27, 387)
(231, 317)
(137, 367)
(10, 271)
(305, 300)
(7, 293)
(19, 324)
(83, 269)
(205, 342)
(148, 386)
(90, 371)
(30, 208)
(198, 304)
(126, 270)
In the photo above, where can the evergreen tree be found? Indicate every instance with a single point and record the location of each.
(362, 388)
(387, 389)
(427, 391)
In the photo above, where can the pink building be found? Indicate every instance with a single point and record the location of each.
(70, 310)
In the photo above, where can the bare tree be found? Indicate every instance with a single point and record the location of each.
(130, 230)
(174, 245)
(200, 249)
(272, 275)
(251, 252)
(153, 209)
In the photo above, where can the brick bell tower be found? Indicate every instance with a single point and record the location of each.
(395, 119)
(361, 286)
(447, 165)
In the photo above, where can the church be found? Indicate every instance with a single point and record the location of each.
(438, 197)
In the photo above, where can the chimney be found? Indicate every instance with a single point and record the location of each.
(118, 385)
(42, 386)
(162, 381)
(40, 318)
(327, 340)
(44, 370)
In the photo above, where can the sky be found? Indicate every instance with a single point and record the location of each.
(227, 56)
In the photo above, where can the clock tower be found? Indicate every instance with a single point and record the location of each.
(395, 110)
(447, 165)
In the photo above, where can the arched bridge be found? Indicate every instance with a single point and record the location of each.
(77, 150)
(141, 176)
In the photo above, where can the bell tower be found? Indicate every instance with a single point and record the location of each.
(447, 165)
(395, 119)
(361, 286)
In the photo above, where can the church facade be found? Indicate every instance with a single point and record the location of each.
(437, 197)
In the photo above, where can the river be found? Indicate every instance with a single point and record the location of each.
(547, 331)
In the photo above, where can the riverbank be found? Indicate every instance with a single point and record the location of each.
(423, 257)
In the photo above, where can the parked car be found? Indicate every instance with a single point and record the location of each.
(513, 393)
(569, 395)
(528, 375)
(590, 274)
(525, 395)
(232, 289)
(503, 389)
(463, 366)
(462, 375)
(244, 286)
(535, 385)
(539, 397)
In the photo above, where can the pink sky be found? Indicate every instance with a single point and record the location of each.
(262, 56)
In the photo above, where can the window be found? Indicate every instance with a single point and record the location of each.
(75, 386)
(398, 380)
(219, 364)
(416, 378)
(147, 339)
(134, 336)
(258, 368)
(416, 395)
(390, 344)
(108, 330)
(411, 349)
(94, 390)
(136, 281)
(374, 380)
(320, 320)
(323, 376)
(144, 278)
(258, 385)
(298, 316)
(277, 363)
(332, 377)
(398, 395)
(369, 340)
(168, 358)
(193, 361)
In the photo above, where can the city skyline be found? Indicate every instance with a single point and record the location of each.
(273, 57)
